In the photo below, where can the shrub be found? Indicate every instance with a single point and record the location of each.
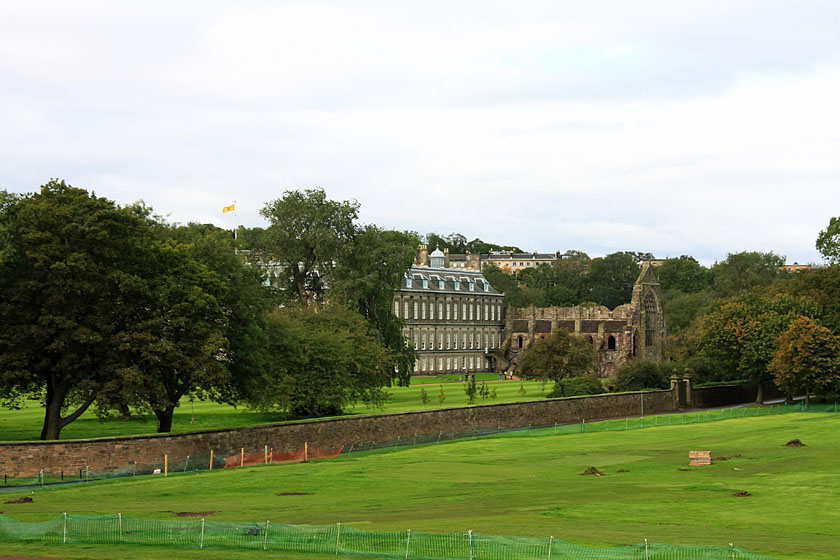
(573, 386)
(643, 375)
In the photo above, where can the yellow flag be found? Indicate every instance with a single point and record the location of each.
(230, 208)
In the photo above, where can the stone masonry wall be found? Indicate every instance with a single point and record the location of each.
(21, 459)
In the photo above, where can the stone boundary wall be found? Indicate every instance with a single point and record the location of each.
(723, 395)
(23, 459)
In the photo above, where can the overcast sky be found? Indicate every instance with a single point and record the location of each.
(671, 127)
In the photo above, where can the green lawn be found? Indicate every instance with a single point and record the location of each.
(519, 485)
(25, 424)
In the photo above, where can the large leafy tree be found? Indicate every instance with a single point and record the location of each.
(742, 271)
(324, 359)
(684, 274)
(308, 234)
(558, 356)
(71, 286)
(740, 334)
(807, 359)
(611, 278)
(244, 301)
(366, 276)
(176, 344)
(823, 286)
(828, 241)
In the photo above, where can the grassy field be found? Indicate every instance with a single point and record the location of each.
(519, 485)
(25, 424)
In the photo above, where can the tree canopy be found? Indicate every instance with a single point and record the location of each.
(807, 359)
(308, 234)
(558, 356)
(324, 358)
(739, 335)
(828, 241)
(72, 285)
(740, 272)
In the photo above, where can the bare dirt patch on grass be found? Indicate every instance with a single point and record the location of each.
(21, 500)
(194, 513)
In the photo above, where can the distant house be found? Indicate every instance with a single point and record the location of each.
(796, 267)
(513, 262)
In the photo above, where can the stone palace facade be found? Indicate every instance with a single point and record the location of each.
(453, 316)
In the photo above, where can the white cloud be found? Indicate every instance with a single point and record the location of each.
(665, 127)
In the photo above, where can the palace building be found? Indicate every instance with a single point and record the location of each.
(453, 316)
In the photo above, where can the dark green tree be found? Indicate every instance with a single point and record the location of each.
(684, 274)
(558, 356)
(308, 234)
(504, 283)
(366, 277)
(635, 376)
(244, 300)
(71, 285)
(828, 241)
(176, 343)
(821, 285)
(324, 358)
(611, 278)
(742, 271)
(739, 335)
(807, 359)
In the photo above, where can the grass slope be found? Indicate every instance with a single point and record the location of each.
(25, 424)
(521, 485)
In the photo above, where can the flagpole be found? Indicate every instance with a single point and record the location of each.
(235, 228)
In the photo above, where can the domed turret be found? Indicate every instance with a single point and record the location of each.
(437, 258)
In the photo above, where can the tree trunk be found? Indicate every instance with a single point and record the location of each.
(164, 416)
(53, 422)
(759, 393)
(807, 399)
(52, 417)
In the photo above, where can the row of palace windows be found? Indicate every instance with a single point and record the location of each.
(449, 311)
(425, 340)
(450, 363)
(441, 284)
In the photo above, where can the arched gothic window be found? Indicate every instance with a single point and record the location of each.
(611, 343)
(650, 319)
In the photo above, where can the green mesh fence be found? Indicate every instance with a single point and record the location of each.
(338, 540)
